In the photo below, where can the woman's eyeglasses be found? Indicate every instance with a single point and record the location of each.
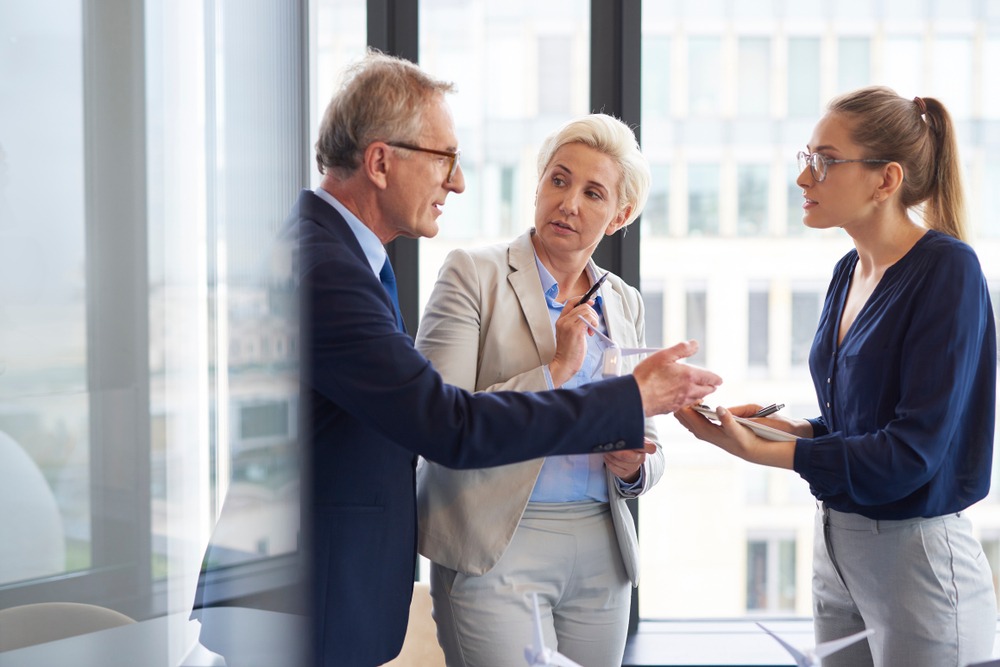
(819, 164)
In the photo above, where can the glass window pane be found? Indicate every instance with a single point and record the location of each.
(656, 215)
(45, 403)
(853, 63)
(555, 92)
(786, 576)
(754, 78)
(952, 85)
(990, 83)
(712, 148)
(803, 77)
(703, 199)
(988, 223)
(704, 65)
(756, 575)
(696, 317)
(904, 71)
(521, 70)
(753, 182)
(758, 321)
(805, 317)
(656, 83)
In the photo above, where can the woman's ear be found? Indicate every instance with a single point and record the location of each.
(892, 180)
(619, 221)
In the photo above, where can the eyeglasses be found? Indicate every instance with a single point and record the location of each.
(454, 155)
(818, 164)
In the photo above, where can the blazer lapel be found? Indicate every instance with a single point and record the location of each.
(523, 279)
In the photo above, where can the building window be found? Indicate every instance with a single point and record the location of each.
(753, 185)
(805, 317)
(652, 300)
(853, 63)
(754, 80)
(793, 221)
(264, 420)
(656, 83)
(703, 199)
(804, 97)
(704, 65)
(696, 321)
(554, 74)
(770, 574)
(758, 340)
(656, 215)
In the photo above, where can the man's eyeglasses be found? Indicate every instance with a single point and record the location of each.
(818, 164)
(454, 155)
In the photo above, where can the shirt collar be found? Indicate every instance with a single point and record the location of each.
(550, 288)
(370, 245)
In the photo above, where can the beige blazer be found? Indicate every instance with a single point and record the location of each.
(487, 328)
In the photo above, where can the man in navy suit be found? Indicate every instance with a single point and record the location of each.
(373, 404)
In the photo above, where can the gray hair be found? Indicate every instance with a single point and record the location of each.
(381, 98)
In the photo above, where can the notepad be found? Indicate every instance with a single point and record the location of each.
(760, 429)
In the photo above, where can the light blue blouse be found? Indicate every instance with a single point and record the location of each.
(578, 476)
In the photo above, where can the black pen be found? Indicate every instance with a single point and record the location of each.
(593, 289)
(769, 410)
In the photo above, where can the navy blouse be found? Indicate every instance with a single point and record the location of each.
(908, 398)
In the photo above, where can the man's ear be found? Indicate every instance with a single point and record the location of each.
(376, 163)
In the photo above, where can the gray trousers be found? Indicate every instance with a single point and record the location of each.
(923, 585)
(568, 554)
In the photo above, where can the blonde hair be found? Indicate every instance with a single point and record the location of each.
(920, 136)
(615, 139)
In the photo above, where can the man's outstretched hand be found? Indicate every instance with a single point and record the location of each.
(667, 385)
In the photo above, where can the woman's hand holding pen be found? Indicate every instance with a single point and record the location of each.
(740, 441)
(571, 341)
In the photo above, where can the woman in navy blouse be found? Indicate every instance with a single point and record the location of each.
(904, 365)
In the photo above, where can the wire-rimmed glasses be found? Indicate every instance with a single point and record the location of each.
(454, 155)
(819, 164)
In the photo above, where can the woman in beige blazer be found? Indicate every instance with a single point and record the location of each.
(496, 320)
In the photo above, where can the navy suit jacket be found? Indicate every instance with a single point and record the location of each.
(373, 404)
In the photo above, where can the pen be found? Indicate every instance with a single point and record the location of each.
(593, 289)
(769, 410)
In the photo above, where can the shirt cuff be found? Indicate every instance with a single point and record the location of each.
(633, 489)
(548, 377)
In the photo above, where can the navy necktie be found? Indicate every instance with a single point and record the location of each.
(388, 279)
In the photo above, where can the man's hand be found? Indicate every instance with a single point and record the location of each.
(666, 385)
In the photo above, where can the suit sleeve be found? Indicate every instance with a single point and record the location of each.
(356, 358)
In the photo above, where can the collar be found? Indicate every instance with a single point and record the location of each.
(550, 288)
(370, 245)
